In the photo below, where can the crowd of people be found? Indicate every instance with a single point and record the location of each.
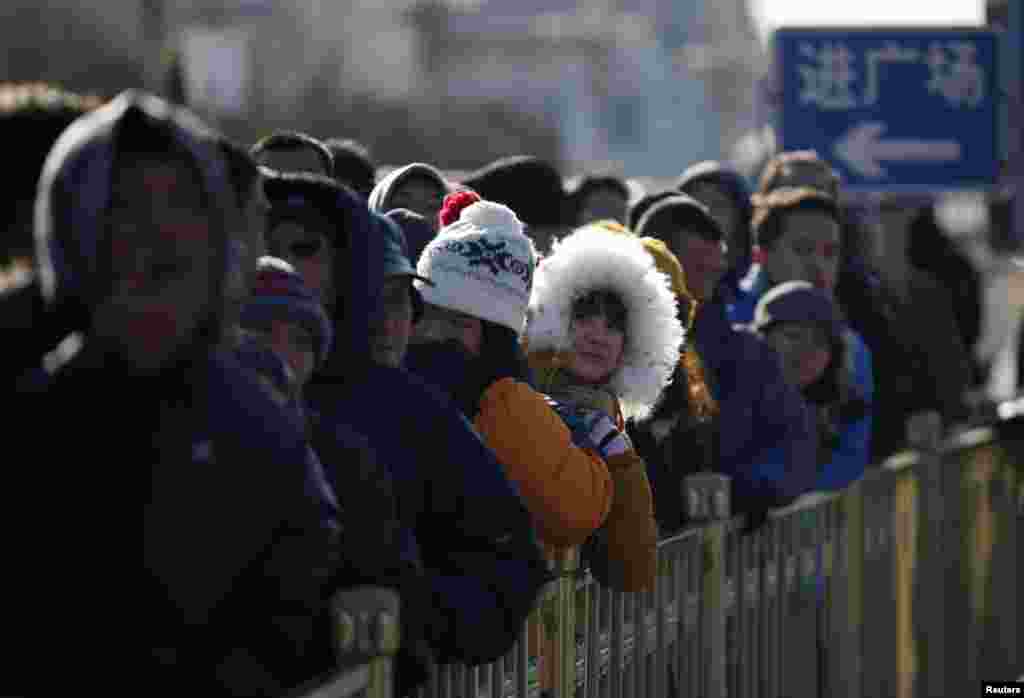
(316, 379)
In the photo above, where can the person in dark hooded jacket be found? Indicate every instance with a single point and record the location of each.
(727, 196)
(482, 566)
(33, 328)
(239, 533)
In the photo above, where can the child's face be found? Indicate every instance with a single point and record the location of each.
(598, 335)
(292, 342)
(804, 349)
(161, 261)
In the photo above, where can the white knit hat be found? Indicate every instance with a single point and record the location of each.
(481, 265)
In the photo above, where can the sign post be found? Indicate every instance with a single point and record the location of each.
(894, 110)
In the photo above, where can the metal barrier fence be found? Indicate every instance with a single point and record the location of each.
(366, 620)
(905, 584)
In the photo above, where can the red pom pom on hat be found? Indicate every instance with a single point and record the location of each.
(453, 204)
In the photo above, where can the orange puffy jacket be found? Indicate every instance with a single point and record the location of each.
(631, 531)
(630, 560)
(567, 490)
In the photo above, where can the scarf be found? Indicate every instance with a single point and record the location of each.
(553, 379)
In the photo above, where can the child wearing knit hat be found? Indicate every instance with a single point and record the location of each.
(284, 314)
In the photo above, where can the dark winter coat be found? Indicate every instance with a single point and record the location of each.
(766, 436)
(238, 557)
(483, 567)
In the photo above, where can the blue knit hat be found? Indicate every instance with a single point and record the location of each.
(278, 291)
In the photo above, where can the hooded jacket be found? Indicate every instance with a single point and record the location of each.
(233, 585)
(599, 257)
(380, 197)
(483, 568)
(732, 184)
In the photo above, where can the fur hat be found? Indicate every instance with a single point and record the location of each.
(279, 291)
(597, 257)
(481, 265)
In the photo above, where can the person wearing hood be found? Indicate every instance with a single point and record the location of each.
(417, 187)
(416, 230)
(133, 215)
(482, 567)
(282, 318)
(726, 195)
(482, 269)
(531, 187)
(802, 324)
(603, 338)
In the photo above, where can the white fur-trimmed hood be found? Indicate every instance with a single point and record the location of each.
(596, 258)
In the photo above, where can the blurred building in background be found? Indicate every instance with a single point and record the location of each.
(639, 87)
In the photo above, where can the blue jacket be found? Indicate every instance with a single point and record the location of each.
(767, 439)
(853, 453)
(483, 566)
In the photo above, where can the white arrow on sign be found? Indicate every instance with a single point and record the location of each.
(863, 150)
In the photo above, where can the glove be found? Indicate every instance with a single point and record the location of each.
(602, 431)
(592, 429)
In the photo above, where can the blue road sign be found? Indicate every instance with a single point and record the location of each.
(893, 109)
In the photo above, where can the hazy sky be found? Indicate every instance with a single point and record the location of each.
(775, 13)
